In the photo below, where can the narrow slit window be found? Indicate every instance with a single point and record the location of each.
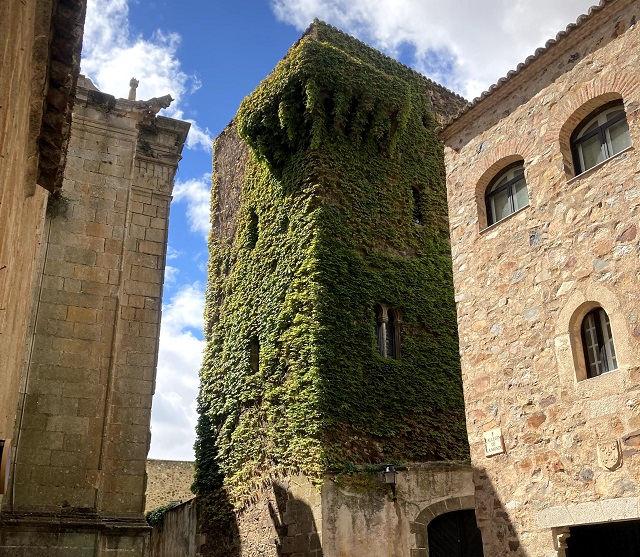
(391, 335)
(252, 230)
(254, 356)
(417, 206)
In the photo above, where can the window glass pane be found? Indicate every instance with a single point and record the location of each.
(589, 128)
(520, 194)
(500, 207)
(591, 348)
(590, 153)
(607, 337)
(391, 335)
(618, 137)
(612, 114)
(499, 183)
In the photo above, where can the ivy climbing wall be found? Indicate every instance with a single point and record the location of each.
(318, 186)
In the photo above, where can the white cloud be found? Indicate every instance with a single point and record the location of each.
(112, 56)
(174, 415)
(465, 45)
(196, 193)
(170, 274)
(173, 253)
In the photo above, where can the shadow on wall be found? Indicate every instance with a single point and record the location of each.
(217, 526)
(295, 525)
(499, 536)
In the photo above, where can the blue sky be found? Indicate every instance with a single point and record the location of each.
(209, 54)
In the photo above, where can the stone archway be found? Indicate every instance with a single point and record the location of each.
(419, 526)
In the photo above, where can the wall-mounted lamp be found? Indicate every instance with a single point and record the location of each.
(390, 477)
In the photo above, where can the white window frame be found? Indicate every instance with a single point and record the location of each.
(604, 119)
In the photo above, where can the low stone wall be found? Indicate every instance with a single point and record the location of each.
(352, 515)
(168, 481)
(365, 521)
(177, 533)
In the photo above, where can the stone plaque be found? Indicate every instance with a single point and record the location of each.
(493, 442)
(609, 454)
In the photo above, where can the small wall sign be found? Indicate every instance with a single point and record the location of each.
(493, 442)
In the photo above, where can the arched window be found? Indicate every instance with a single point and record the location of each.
(601, 136)
(506, 193)
(597, 343)
(387, 331)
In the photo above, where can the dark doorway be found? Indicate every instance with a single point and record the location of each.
(621, 539)
(455, 534)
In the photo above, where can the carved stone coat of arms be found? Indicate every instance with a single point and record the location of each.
(609, 454)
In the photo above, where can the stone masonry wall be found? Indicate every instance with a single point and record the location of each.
(168, 481)
(351, 515)
(523, 285)
(177, 536)
(285, 521)
(83, 434)
(367, 522)
(28, 70)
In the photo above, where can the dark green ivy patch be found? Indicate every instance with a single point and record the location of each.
(323, 229)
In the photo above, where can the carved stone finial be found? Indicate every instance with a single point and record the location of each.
(132, 92)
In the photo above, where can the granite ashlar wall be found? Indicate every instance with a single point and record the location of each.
(168, 481)
(82, 438)
(37, 76)
(524, 284)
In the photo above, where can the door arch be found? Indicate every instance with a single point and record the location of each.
(455, 534)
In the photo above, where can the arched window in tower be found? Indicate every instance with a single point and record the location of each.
(600, 137)
(597, 343)
(387, 331)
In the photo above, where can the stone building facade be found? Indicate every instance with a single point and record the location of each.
(81, 432)
(546, 280)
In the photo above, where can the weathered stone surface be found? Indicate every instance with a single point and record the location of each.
(168, 481)
(533, 290)
(85, 415)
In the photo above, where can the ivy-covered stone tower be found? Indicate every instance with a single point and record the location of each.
(330, 318)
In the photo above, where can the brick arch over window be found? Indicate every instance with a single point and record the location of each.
(419, 525)
(567, 344)
(489, 174)
(577, 105)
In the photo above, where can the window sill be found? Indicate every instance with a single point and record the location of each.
(608, 383)
(492, 226)
(587, 173)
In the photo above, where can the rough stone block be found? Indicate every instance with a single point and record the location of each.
(153, 248)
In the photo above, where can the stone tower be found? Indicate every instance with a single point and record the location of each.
(330, 321)
(81, 434)
(543, 179)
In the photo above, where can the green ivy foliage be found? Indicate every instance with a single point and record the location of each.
(155, 517)
(325, 228)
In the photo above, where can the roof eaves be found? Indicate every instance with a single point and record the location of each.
(528, 61)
